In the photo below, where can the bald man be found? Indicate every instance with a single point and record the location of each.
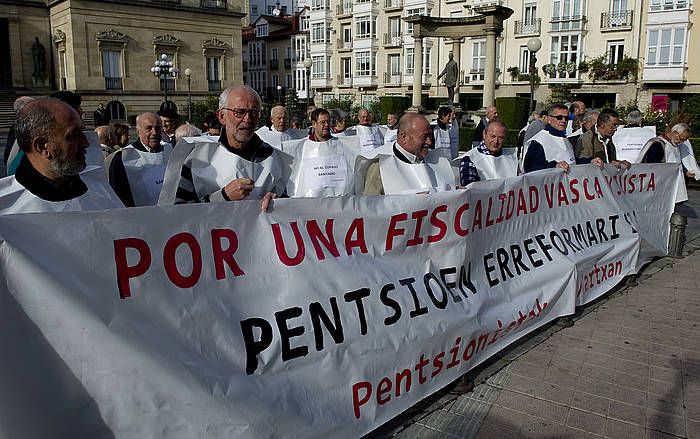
(108, 139)
(136, 172)
(278, 132)
(410, 166)
(50, 175)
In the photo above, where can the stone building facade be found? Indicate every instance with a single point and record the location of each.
(105, 50)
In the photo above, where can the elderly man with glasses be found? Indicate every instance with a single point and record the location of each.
(240, 166)
(550, 148)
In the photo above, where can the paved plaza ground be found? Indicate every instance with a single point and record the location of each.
(628, 368)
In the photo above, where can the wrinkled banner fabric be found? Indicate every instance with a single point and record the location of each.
(321, 318)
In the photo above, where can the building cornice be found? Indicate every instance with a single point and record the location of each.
(151, 4)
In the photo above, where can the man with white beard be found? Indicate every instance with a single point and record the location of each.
(240, 166)
(323, 165)
(48, 177)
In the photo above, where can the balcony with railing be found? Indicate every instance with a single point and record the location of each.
(343, 46)
(344, 81)
(287, 63)
(611, 21)
(392, 40)
(214, 84)
(343, 10)
(568, 23)
(212, 4)
(274, 64)
(113, 84)
(393, 4)
(528, 27)
(392, 79)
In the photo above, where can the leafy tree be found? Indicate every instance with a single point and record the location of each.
(209, 103)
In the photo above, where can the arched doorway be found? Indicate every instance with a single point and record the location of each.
(116, 111)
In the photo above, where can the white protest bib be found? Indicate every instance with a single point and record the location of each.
(275, 138)
(214, 166)
(435, 174)
(15, 198)
(322, 169)
(688, 159)
(390, 136)
(145, 172)
(490, 167)
(672, 154)
(370, 138)
(630, 141)
(556, 149)
(442, 138)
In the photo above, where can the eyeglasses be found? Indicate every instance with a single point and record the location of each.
(561, 117)
(241, 112)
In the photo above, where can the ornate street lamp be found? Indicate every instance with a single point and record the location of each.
(533, 45)
(188, 73)
(164, 70)
(307, 64)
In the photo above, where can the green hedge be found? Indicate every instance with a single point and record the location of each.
(513, 111)
(393, 104)
(695, 141)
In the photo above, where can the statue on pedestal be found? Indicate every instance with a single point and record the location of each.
(39, 58)
(451, 73)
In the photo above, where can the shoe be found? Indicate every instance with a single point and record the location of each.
(462, 385)
(565, 322)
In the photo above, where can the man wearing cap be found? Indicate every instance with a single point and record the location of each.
(136, 172)
(170, 120)
(49, 178)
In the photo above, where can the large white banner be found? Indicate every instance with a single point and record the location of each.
(321, 318)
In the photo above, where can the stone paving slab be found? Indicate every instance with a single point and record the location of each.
(628, 368)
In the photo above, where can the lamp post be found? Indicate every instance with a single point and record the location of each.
(279, 94)
(188, 73)
(163, 70)
(307, 65)
(533, 45)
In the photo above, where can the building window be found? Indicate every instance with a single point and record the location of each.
(363, 61)
(363, 27)
(524, 60)
(305, 22)
(261, 30)
(214, 73)
(318, 33)
(318, 67)
(253, 10)
(478, 59)
(666, 46)
(529, 13)
(112, 69)
(567, 15)
(565, 50)
(616, 50)
(347, 37)
(395, 27)
(346, 66)
(394, 63)
(409, 60)
(317, 5)
(668, 5)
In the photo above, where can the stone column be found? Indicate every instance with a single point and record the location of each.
(417, 73)
(490, 72)
(456, 51)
